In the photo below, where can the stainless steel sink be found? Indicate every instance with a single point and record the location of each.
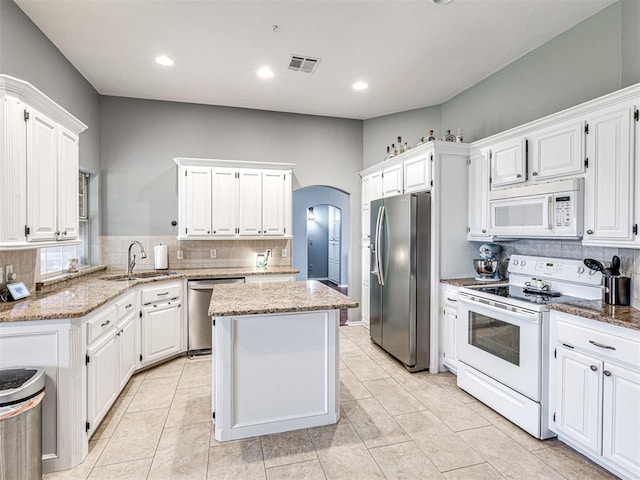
(138, 276)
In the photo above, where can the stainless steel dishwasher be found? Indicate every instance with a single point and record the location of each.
(199, 322)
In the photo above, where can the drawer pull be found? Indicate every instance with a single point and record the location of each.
(602, 345)
(607, 373)
(594, 368)
(451, 299)
(162, 294)
(105, 323)
(128, 306)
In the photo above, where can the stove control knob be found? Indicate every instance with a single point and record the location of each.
(523, 263)
(516, 262)
(580, 270)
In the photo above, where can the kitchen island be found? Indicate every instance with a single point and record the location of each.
(275, 357)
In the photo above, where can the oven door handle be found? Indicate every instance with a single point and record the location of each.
(482, 304)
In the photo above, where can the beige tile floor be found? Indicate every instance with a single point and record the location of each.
(394, 425)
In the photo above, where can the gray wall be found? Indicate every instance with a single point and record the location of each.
(318, 243)
(25, 53)
(410, 125)
(140, 138)
(597, 56)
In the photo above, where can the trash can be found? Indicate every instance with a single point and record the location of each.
(21, 394)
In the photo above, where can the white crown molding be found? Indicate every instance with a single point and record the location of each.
(33, 97)
(215, 162)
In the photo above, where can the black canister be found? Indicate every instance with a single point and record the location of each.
(617, 290)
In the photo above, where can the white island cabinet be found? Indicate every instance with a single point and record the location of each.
(275, 362)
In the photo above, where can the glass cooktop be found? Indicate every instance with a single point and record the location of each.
(525, 294)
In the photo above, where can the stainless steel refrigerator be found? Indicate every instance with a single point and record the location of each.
(399, 317)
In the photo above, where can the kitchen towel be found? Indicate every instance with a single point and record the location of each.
(161, 254)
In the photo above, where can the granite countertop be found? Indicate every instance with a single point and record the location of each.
(623, 316)
(275, 297)
(79, 296)
(467, 282)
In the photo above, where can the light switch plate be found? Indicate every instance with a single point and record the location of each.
(213, 253)
(284, 253)
(179, 255)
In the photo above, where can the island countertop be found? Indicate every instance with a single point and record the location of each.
(275, 297)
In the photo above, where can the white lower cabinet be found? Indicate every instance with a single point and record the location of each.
(103, 378)
(161, 331)
(128, 351)
(449, 351)
(595, 378)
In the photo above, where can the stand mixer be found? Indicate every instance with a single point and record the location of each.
(487, 266)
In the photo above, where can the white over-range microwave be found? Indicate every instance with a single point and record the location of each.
(547, 210)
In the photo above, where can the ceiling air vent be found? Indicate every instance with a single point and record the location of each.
(299, 63)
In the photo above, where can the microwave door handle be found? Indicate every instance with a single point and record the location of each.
(550, 213)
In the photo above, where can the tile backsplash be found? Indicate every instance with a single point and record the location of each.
(196, 253)
(24, 265)
(629, 258)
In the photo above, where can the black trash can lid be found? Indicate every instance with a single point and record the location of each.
(20, 384)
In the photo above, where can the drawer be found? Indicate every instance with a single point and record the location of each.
(450, 295)
(597, 342)
(161, 292)
(101, 323)
(126, 305)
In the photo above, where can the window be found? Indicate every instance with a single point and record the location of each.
(54, 260)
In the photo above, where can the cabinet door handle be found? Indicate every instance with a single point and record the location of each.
(593, 368)
(518, 176)
(58, 233)
(534, 173)
(602, 345)
(589, 232)
(484, 230)
(607, 373)
(162, 294)
(452, 299)
(105, 323)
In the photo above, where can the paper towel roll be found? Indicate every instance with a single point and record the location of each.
(161, 254)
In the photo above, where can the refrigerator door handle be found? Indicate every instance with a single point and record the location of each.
(380, 269)
(376, 247)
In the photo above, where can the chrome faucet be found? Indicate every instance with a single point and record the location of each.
(132, 263)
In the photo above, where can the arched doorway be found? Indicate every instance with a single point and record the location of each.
(326, 202)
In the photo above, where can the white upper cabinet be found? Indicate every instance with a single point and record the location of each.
(39, 162)
(557, 151)
(250, 202)
(68, 168)
(392, 181)
(508, 163)
(479, 196)
(275, 185)
(42, 161)
(375, 186)
(224, 201)
(232, 199)
(609, 179)
(417, 172)
(195, 204)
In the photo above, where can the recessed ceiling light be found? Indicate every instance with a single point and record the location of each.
(441, 2)
(359, 86)
(164, 60)
(265, 72)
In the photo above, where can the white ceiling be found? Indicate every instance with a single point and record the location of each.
(411, 53)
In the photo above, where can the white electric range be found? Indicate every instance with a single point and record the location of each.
(503, 335)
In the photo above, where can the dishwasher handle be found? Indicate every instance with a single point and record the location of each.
(209, 284)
